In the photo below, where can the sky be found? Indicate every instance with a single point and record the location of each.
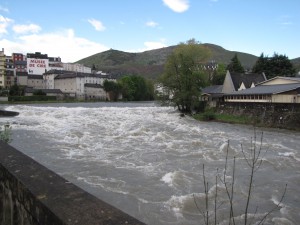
(77, 29)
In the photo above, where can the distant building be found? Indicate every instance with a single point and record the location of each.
(76, 67)
(20, 62)
(77, 85)
(2, 68)
(239, 81)
(38, 64)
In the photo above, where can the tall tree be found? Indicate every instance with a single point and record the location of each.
(277, 65)
(136, 88)
(183, 74)
(261, 64)
(113, 89)
(235, 65)
(219, 75)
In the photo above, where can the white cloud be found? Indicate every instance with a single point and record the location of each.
(154, 45)
(177, 5)
(151, 24)
(62, 44)
(4, 22)
(4, 9)
(23, 29)
(97, 24)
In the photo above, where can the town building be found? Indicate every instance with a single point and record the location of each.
(76, 67)
(77, 85)
(2, 68)
(38, 64)
(20, 62)
(275, 90)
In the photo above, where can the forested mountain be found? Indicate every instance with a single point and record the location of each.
(150, 64)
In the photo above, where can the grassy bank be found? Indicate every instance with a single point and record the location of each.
(226, 118)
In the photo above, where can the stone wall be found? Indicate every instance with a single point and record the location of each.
(30, 194)
(275, 115)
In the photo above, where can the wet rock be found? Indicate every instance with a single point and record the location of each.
(4, 113)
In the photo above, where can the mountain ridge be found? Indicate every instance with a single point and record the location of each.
(150, 63)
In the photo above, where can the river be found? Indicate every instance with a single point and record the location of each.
(147, 160)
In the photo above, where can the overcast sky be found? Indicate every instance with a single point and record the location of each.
(76, 29)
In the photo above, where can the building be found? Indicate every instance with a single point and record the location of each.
(76, 67)
(233, 82)
(20, 62)
(277, 93)
(55, 63)
(94, 92)
(238, 81)
(2, 69)
(38, 64)
(77, 85)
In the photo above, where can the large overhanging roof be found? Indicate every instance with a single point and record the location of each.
(267, 89)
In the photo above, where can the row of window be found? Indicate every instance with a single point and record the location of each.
(257, 97)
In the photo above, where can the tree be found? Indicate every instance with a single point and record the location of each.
(219, 75)
(235, 65)
(183, 75)
(278, 65)
(136, 88)
(113, 89)
(39, 93)
(16, 90)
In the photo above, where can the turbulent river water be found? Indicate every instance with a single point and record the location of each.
(148, 161)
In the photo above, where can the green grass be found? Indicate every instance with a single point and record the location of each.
(226, 118)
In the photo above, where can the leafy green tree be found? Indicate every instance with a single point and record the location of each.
(235, 65)
(113, 89)
(16, 90)
(183, 75)
(39, 93)
(261, 64)
(136, 88)
(277, 65)
(219, 75)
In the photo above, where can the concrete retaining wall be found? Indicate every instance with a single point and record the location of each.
(30, 194)
(277, 115)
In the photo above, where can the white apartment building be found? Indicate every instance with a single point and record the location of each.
(74, 84)
(75, 67)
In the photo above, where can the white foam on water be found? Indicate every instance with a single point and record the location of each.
(168, 178)
(282, 221)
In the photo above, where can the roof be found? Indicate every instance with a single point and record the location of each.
(246, 78)
(93, 85)
(72, 74)
(47, 91)
(22, 74)
(215, 89)
(285, 78)
(267, 89)
(38, 77)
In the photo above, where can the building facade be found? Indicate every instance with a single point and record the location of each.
(2, 68)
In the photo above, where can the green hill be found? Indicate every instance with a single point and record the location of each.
(150, 64)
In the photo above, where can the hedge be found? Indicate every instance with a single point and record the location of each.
(31, 98)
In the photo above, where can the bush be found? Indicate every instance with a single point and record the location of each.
(207, 116)
(31, 98)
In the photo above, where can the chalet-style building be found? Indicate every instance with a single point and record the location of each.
(275, 90)
(238, 81)
(233, 82)
(253, 88)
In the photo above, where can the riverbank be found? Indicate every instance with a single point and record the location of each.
(287, 120)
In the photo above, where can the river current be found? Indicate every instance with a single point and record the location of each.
(148, 161)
